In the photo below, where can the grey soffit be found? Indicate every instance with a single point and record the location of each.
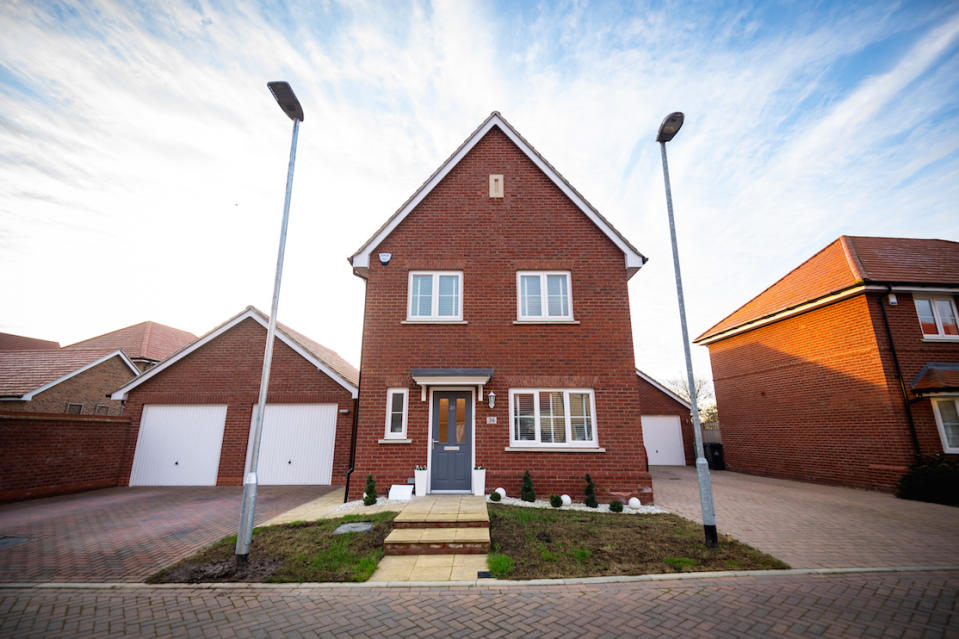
(452, 372)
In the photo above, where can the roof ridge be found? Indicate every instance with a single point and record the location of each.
(852, 258)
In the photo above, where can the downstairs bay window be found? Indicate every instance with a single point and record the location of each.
(552, 418)
(947, 419)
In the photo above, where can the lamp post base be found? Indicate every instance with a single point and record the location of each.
(712, 537)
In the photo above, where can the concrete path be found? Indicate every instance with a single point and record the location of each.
(921, 604)
(814, 526)
(126, 534)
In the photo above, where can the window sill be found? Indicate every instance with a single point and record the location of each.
(933, 339)
(546, 321)
(553, 449)
(396, 441)
(433, 321)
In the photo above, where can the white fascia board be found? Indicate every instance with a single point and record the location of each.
(117, 353)
(634, 261)
(451, 380)
(925, 289)
(250, 313)
(663, 389)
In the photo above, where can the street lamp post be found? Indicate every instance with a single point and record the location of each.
(668, 129)
(285, 97)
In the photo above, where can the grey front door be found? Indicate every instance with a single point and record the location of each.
(452, 441)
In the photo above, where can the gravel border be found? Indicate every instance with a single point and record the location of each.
(602, 508)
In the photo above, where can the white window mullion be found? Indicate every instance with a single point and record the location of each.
(536, 424)
(568, 418)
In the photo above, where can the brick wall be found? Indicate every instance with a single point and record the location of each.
(534, 227)
(655, 402)
(88, 388)
(227, 371)
(50, 454)
(814, 397)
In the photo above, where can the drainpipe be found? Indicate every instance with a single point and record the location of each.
(902, 384)
(356, 410)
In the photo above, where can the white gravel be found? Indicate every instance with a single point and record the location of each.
(602, 508)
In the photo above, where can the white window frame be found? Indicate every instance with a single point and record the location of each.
(434, 317)
(537, 443)
(543, 297)
(940, 333)
(389, 412)
(79, 409)
(946, 448)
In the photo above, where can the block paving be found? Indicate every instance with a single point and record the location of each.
(815, 526)
(908, 605)
(126, 534)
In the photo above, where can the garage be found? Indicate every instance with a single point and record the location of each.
(297, 444)
(663, 438)
(178, 445)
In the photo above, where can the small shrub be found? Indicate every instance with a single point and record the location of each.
(494, 496)
(499, 564)
(615, 506)
(555, 501)
(934, 479)
(527, 493)
(590, 493)
(369, 495)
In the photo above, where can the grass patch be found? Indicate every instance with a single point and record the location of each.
(296, 552)
(538, 543)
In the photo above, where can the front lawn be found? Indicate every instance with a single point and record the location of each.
(536, 543)
(297, 552)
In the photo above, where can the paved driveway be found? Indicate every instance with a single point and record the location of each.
(126, 534)
(814, 526)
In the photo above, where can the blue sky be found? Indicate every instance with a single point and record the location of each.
(142, 159)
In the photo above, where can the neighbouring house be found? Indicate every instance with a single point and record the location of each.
(59, 381)
(667, 424)
(497, 332)
(146, 343)
(847, 368)
(11, 342)
(191, 415)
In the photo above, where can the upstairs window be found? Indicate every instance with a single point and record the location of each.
(937, 316)
(544, 296)
(435, 296)
(552, 418)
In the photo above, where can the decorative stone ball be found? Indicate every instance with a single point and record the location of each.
(634, 502)
(566, 500)
(501, 491)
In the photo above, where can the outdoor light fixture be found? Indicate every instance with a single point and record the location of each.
(667, 130)
(492, 399)
(291, 106)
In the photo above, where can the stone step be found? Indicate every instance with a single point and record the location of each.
(437, 541)
(467, 519)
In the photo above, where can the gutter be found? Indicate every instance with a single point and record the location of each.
(356, 410)
(907, 404)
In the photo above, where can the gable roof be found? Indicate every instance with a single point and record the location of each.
(361, 259)
(326, 360)
(11, 342)
(660, 387)
(23, 374)
(846, 266)
(146, 340)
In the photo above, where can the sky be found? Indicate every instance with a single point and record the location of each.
(143, 160)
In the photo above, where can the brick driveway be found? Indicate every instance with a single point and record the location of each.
(126, 534)
(848, 605)
(814, 526)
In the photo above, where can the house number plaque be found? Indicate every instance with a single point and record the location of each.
(490, 420)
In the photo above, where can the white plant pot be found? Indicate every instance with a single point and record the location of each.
(479, 482)
(420, 482)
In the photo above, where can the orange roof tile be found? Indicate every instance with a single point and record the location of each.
(146, 340)
(936, 377)
(24, 371)
(846, 262)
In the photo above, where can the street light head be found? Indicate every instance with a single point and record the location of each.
(285, 97)
(670, 127)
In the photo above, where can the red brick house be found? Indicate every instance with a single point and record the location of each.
(191, 415)
(847, 368)
(58, 381)
(146, 343)
(497, 332)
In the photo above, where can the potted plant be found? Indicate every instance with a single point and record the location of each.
(420, 474)
(479, 480)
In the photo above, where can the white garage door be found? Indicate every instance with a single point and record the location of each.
(297, 444)
(663, 437)
(178, 446)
